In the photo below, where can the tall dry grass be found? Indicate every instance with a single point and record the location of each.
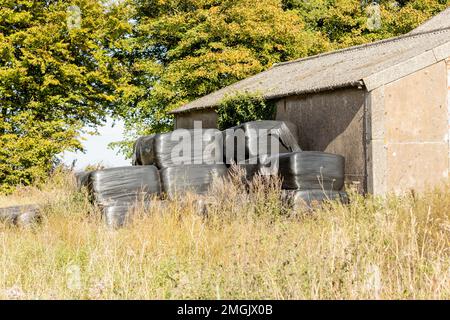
(248, 247)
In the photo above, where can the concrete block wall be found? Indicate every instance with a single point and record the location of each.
(208, 117)
(407, 132)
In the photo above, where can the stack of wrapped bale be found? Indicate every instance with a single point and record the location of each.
(307, 176)
(170, 164)
(188, 159)
(164, 165)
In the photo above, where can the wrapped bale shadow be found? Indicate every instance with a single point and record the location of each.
(125, 185)
(179, 147)
(193, 178)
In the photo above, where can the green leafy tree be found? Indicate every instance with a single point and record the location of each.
(28, 147)
(351, 22)
(60, 69)
(184, 49)
(243, 107)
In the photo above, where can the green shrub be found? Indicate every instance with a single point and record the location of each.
(243, 107)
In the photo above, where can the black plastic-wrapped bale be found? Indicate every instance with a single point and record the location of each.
(8, 215)
(249, 170)
(143, 153)
(125, 185)
(193, 178)
(308, 170)
(256, 138)
(23, 215)
(83, 179)
(122, 214)
(252, 167)
(29, 218)
(300, 199)
(117, 216)
(179, 147)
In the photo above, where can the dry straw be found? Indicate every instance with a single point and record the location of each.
(247, 247)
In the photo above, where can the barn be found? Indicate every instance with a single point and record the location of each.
(385, 106)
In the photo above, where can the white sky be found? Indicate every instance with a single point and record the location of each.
(97, 151)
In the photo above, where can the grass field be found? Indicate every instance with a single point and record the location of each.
(249, 247)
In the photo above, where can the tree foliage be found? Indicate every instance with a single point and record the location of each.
(185, 49)
(55, 76)
(350, 22)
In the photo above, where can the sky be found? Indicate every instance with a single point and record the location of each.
(97, 151)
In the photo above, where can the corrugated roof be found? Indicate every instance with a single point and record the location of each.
(439, 21)
(369, 65)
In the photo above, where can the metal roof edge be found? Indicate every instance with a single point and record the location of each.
(407, 67)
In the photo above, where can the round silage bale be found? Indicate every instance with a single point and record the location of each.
(28, 219)
(123, 214)
(308, 170)
(179, 147)
(8, 215)
(117, 216)
(83, 179)
(22, 215)
(143, 151)
(131, 184)
(192, 178)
